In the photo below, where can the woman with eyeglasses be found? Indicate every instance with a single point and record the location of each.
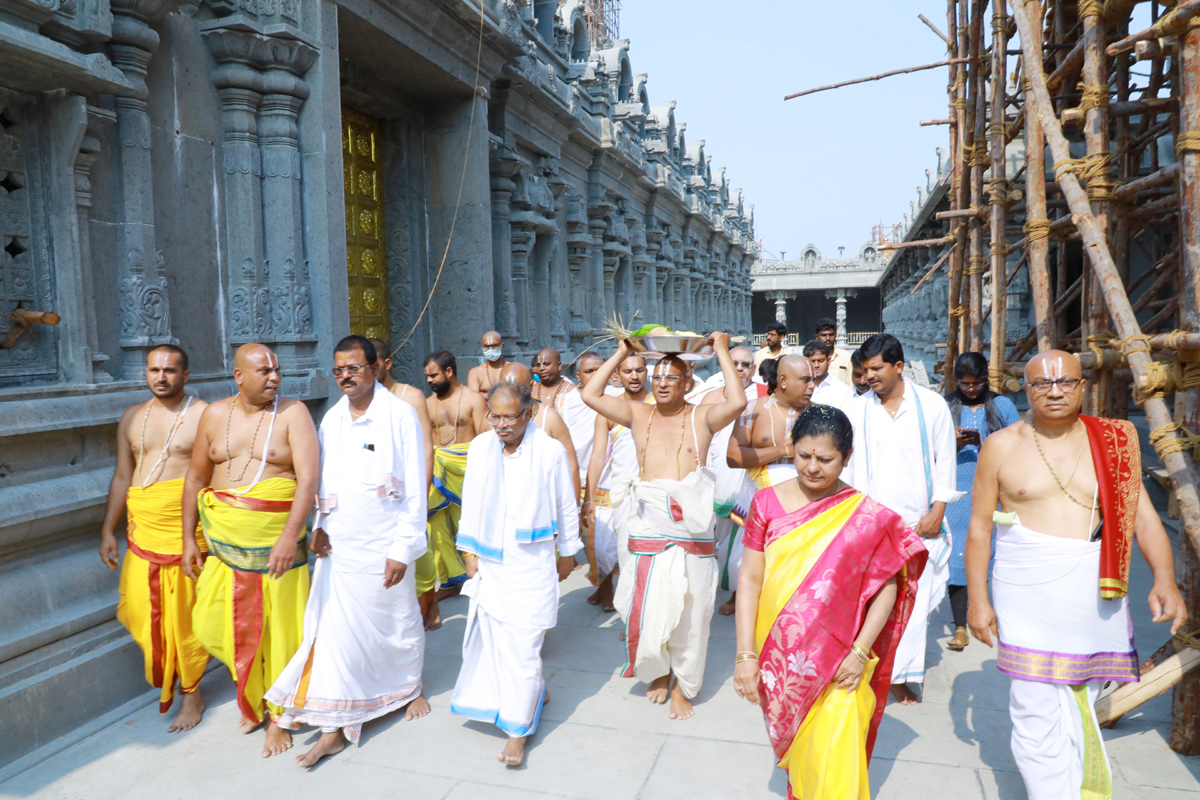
(977, 411)
(826, 586)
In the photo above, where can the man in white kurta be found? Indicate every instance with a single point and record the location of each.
(905, 458)
(518, 508)
(364, 640)
(827, 390)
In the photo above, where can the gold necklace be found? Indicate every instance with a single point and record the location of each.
(678, 450)
(1037, 441)
(250, 457)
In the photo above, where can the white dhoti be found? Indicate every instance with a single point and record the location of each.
(1059, 640)
(909, 666)
(605, 538)
(668, 592)
(501, 677)
(361, 656)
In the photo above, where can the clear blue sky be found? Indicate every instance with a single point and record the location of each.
(822, 168)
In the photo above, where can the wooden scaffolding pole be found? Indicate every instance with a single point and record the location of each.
(1037, 223)
(998, 201)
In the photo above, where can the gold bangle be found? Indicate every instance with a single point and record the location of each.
(746, 653)
(860, 653)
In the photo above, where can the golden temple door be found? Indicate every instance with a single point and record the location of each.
(366, 261)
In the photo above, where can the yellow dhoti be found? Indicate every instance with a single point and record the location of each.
(156, 598)
(252, 622)
(442, 565)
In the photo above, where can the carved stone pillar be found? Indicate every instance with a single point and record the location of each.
(579, 244)
(522, 243)
(284, 92)
(142, 281)
(600, 283)
(503, 166)
(781, 300)
(89, 151)
(840, 296)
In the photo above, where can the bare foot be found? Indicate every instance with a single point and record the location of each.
(681, 707)
(514, 752)
(189, 714)
(606, 595)
(729, 606)
(622, 636)
(449, 591)
(433, 612)
(417, 708)
(279, 741)
(594, 598)
(659, 689)
(327, 745)
(903, 694)
(247, 725)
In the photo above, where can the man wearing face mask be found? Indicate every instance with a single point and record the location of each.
(482, 377)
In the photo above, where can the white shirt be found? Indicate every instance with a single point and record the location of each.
(832, 392)
(364, 529)
(887, 462)
(522, 589)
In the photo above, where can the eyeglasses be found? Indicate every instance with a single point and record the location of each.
(744, 364)
(665, 378)
(350, 369)
(503, 420)
(1043, 387)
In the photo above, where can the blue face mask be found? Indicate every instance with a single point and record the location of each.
(490, 354)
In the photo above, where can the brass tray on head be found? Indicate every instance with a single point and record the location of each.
(689, 348)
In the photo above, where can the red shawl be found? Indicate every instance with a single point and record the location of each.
(819, 623)
(1117, 456)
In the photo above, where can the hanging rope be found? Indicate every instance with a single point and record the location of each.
(461, 184)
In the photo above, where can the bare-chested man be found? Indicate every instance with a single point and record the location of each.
(251, 483)
(546, 417)
(154, 447)
(666, 517)
(554, 389)
(1072, 504)
(613, 458)
(458, 415)
(409, 394)
(482, 377)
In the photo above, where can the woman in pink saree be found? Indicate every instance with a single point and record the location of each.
(826, 587)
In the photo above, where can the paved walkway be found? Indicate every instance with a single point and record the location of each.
(600, 738)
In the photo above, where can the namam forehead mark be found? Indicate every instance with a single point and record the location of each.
(549, 355)
(517, 372)
(1052, 365)
(250, 354)
(666, 364)
(491, 339)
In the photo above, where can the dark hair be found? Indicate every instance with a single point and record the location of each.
(518, 390)
(779, 328)
(768, 370)
(444, 359)
(882, 344)
(819, 420)
(356, 342)
(817, 346)
(825, 324)
(856, 358)
(175, 351)
(973, 365)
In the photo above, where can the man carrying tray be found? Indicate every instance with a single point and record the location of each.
(665, 513)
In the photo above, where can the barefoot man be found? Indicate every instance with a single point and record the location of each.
(905, 457)
(482, 377)
(665, 514)
(613, 458)
(761, 445)
(458, 416)
(546, 417)
(519, 505)
(251, 483)
(154, 446)
(409, 394)
(1070, 492)
(364, 641)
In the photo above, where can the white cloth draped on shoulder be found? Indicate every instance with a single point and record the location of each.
(667, 596)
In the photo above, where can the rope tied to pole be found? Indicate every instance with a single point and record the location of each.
(1098, 343)
(976, 267)
(1187, 142)
(1174, 437)
(1090, 8)
(1133, 343)
(998, 191)
(1159, 379)
(1093, 170)
(998, 248)
(958, 311)
(997, 378)
(1093, 97)
(1184, 640)
(1036, 230)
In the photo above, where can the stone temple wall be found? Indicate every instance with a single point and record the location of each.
(285, 171)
